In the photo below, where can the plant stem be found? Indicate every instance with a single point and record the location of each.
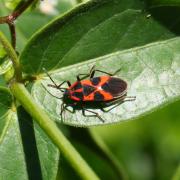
(13, 34)
(49, 126)
(13, 56)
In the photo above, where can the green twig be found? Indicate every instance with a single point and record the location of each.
(49, 126)
(13, 56)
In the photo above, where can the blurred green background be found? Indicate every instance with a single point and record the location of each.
(149, 147)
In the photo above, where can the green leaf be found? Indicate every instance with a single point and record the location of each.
(42, 155)
(48, 154)
(5, 101)
(80, 35)
(16, 160)
(5, 65)
(5, 104)
(12, 160)
(151, 71)
(157, 3)
(31, 26)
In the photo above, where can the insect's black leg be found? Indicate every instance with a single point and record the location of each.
(110, 74)
(59, 86)
(130, 98)
(54, 85)
(68, 83)
(118, 102)
(81, 78)
(65, 108)
(115, 102)
(85, 75)
(50, 77)
(122, 99)
(92, 73)
(71, 111)
(107, 110)
(94, 114)
(62, 110)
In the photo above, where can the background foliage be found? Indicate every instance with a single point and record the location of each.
(148, 147)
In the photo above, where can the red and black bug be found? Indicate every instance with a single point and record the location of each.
(99, 92)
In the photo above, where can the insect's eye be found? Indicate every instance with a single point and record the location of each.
(67, 93)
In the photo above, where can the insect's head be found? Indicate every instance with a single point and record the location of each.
(67, 97)
(67, 94)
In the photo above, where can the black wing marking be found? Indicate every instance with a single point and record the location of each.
(88, 89)
(98, 96)
(115, 86)
(78, 95)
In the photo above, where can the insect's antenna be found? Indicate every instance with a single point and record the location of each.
(50, 77)
(58, 87)
(116, 71)
(50, 92)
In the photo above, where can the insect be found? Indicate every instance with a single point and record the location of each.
(90, 91)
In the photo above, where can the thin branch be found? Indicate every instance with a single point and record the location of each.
(15, 14)
(9, 19)
(21, 9)
(13, 34)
